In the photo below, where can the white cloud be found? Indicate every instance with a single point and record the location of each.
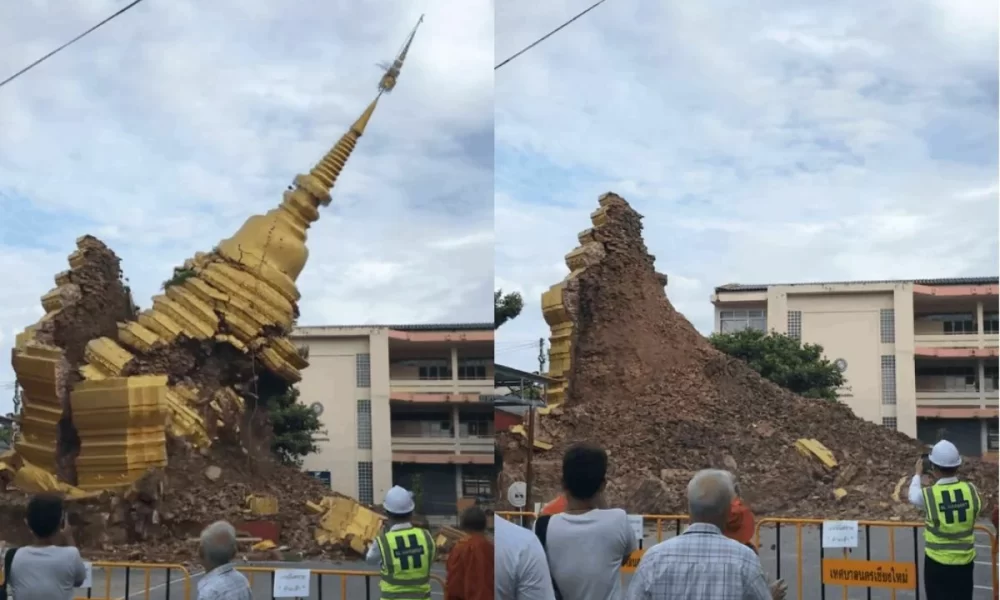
(788, 141)
(162, 131)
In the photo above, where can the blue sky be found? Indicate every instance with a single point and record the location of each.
(161, 132)
(774, 141)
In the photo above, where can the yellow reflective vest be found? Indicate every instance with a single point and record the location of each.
(950, 511)
(407, 556)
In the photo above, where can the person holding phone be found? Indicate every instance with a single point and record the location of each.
(951, 508)
(51, 567)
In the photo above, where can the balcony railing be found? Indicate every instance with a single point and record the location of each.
(442, 386)
(961, 397)
(464, 445)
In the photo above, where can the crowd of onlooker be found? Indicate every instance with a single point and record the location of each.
(575, 550)
(579, 545)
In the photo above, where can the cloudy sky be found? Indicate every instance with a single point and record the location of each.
(162, 131)
(764, 142)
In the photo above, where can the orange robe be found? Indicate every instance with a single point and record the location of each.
(741, 523)
(470, 569)
(556, 506)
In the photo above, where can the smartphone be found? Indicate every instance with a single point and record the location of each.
(926, 461)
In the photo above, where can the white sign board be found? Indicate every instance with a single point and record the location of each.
(635, 522)
(291, 583)
(88, 581)
(840, 534)
(517, 494)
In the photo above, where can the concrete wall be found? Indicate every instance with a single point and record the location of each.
(331, 381)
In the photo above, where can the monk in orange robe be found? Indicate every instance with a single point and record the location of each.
(470, 564)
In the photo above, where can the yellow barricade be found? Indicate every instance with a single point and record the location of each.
(117, 580)
(837, 566)
(370, 580)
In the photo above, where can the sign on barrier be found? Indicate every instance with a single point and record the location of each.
(870, 573)
(370, 581)
(633, 561)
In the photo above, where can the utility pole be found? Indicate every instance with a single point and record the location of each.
(541, 356)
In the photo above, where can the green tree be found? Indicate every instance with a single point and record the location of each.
(506, 307)
(293, 426)
(800, 368)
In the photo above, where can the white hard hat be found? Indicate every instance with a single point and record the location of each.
(945, 454)
(398, 501)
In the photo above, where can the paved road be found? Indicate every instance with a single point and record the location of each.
(132, 585)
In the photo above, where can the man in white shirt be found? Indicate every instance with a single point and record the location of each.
(521, 571)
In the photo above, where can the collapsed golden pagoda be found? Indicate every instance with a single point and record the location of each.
(101, 395)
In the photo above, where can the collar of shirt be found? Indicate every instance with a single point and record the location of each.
(703, 528)
(946, 480)
(215, 573)
(400, 526)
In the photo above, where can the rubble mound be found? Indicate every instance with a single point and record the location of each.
(641, 381)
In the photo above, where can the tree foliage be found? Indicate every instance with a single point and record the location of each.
(293, 426)
(506, 307)
(800, 368)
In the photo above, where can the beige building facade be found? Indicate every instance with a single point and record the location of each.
(402, 404)
(918, 356)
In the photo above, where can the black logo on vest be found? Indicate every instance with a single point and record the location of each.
(409, 552)
(952, 507)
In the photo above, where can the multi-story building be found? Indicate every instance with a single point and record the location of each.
(402, 404)
(918, 356)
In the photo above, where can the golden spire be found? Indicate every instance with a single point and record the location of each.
(273, 245)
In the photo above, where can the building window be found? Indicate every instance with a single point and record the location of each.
(366, 484)
(363, 368)
(992, 435)
(887, 325)
(991, 323)
(471, 371)
(889, 422)
(323, 476)
(477, 486)
(795, 324)
(477, 428)
(435, 372)
(365, 424)
(738, 320)
(990, 374)
(888, 380)
(960, 324)
(957, 378)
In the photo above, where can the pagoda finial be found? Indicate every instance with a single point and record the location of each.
(388, 82)
(273, 245)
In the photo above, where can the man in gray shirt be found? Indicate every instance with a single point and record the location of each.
(50, 568)
(587, 544)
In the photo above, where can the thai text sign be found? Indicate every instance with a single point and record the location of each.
(870, 573)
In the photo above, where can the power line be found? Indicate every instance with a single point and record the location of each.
(549, 34)
(67, 44)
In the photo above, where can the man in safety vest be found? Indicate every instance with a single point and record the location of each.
(404, 552)
(950, 511)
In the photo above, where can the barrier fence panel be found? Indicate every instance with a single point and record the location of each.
(326, 584)
(885, 561)
(148, 581)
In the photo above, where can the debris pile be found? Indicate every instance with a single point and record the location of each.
(637, 378)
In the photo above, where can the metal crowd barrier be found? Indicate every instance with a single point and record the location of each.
(887, 574)
(137, 581)
(839, 569)
(370, 581)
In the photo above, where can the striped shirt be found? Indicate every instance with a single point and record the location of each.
(224, 583)
(699, 564)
